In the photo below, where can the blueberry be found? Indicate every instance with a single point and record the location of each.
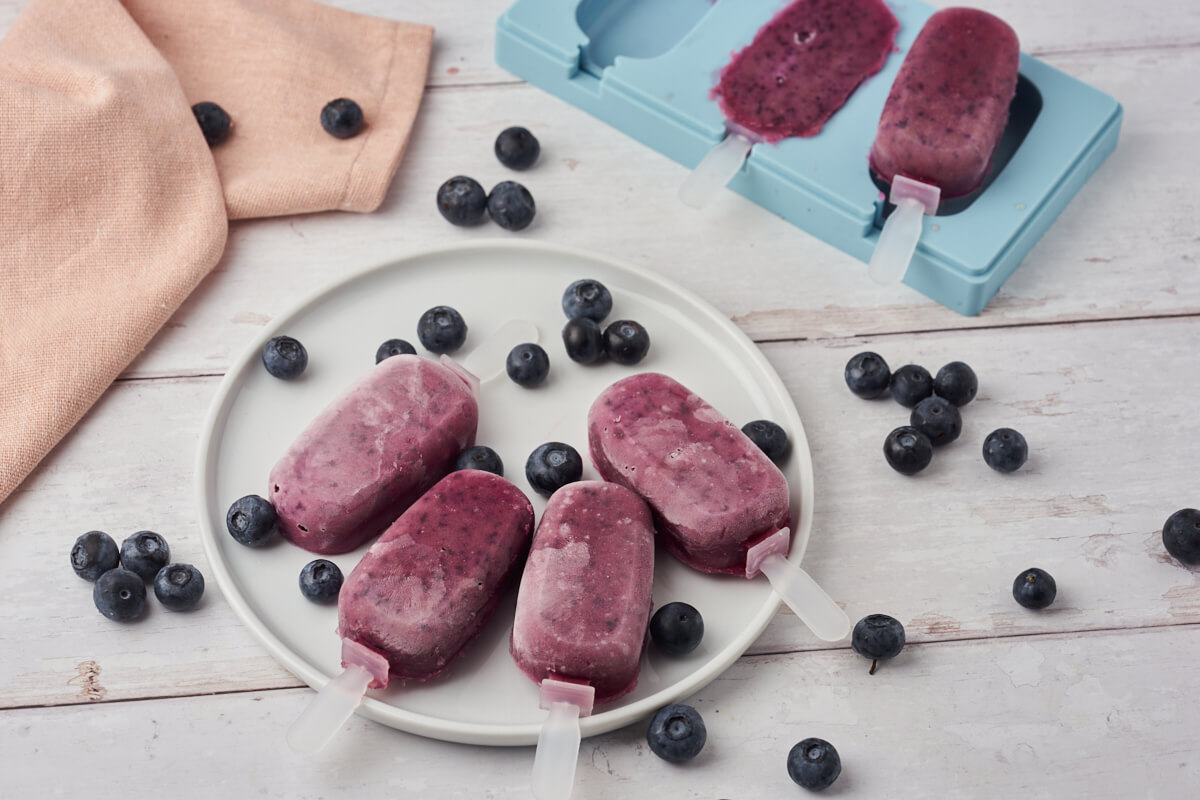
(481, 458)
(94, 554)
(552, 466)
(517, 148)
(1034, 588)
(284, 357)
(907, 450)
(441, 329)
(179, 586)
(394, 347)
(511, 205)
(320, 581)
(120, 595)
(145, 553)
(911, 384)
(1181, 535)
(877, 637)
(867, 375)
(769, 437)
(814, 764)
(251, 520)
(676, 733)
(626, 342)
(584, 340)
(214, 122)
(462, 200)
(528, 365)
(1005, 450)
(957, 383)
(938, 419)
(677, 628)
(342, 118)
(587, 298)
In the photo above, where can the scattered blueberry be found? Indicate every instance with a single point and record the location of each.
(814, 764)
(145, 553)
(517, 148)
(1034, 588)
(938, 419)
(528, 365)
(94, 554)
(587, 298)
(481, 458)
(179, 586)
(284, 357)
(677, 628)
(867, 375)
(676, 733)
(552, 466)
(462, 200)
(626, 342)
(1181, 535)
(320, 581)
(877, 637)
(911, 384)
(957, 383)
(342, 118)
(120, 595)
(584, 340)
(511, 205)
(769, 437)
(441, 329)
(1005, 450)
(251, 520)
(394, 347)
(907, 450)
(214, 122)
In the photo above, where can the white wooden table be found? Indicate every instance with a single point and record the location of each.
(1090, 350)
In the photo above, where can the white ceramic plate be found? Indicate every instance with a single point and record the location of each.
(484, 698)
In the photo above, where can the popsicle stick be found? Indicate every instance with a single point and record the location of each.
(329, 710)
(487, 360)
(557, 751)
(902, 230)
(809, 601)
(715, 171)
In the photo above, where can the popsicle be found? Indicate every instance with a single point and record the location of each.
(422, 592)
(800, 69)
(942, 121)
(582, 613)
(719, 503)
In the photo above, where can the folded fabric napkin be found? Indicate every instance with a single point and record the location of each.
(113, 207)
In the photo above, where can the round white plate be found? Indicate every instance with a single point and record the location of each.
(484, 698)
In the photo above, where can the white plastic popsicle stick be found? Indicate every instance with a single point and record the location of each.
(902, 230)
(715, 171)
(558, 742)
(809, 601)
(337, 699)
(487, 360)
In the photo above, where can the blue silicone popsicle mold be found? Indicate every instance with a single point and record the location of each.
(647, 68)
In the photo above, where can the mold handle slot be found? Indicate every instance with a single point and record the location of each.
(715, 171)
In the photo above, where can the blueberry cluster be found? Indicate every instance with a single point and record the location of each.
(462, 200)
(120, 575)
(586, 303)
(341, 118)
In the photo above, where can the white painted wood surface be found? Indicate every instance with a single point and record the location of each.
(1089, 350)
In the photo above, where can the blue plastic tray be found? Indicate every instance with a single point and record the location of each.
(647, 67)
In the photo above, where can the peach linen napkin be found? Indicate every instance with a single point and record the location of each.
(113, 207)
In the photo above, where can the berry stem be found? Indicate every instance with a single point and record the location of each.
(874, 662)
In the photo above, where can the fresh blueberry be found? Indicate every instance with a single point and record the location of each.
(626, 342)
(320, 581)
(284, 357)
(957, 383)
(251, 520)
(214, 122)
(120, 595)
(145, 553)
(441, 329)
(584, 340)
(814, 764)
(907, 450)
(517, 148)
(179, 586)
(1181, 535)
(587, 298)
(1034, 588)
(911, 384)
(94, 554)
(877, 637)
(552, 466)
(769, 437)
(938, 419)
(676, 733)
(342, 118)
(677, 628)
(481, 458)
(528, 365)
(511, 205)
(462, 200)
(867, 375)
(1005, 450)
(394, 347)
